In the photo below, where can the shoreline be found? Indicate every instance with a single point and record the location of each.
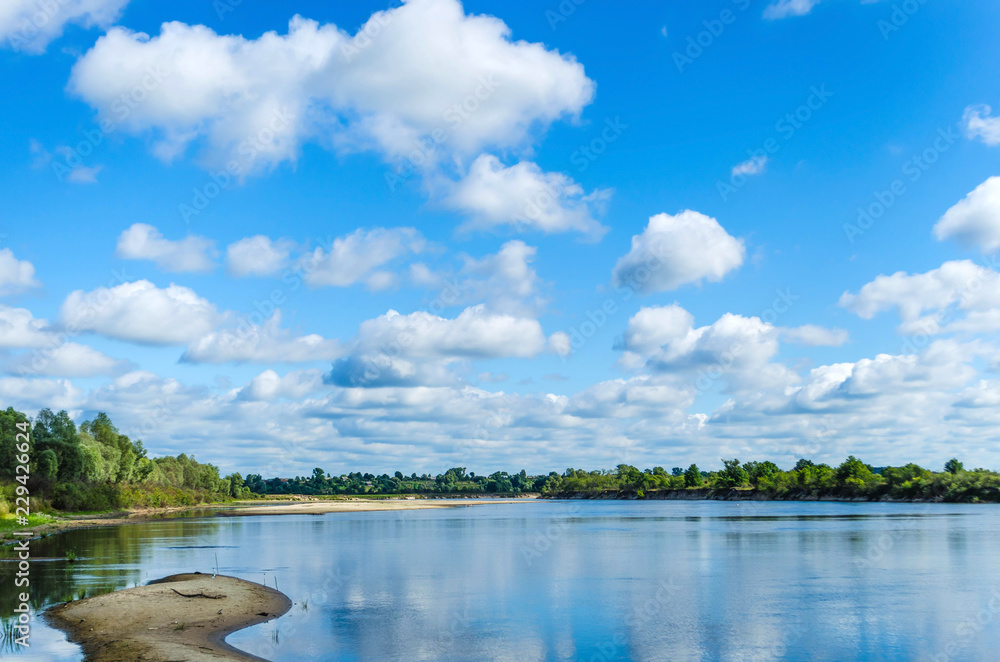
(299, 504)
(733, 494)
(180, 617)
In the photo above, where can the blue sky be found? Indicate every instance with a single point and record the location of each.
(619, 137)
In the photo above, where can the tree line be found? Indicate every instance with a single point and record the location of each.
(453, 481)
(94, 466)
(852, 479)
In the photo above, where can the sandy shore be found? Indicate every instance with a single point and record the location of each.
(181, 617)
(352, 506)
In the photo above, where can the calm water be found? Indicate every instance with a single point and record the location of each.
(577, 580)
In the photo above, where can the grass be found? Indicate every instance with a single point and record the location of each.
(9, 522)
(70, 555)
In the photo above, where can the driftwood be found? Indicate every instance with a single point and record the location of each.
(211, 596)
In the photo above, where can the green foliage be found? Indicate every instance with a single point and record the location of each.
(692, 477)
(97, 468)
(953, 466)
(46, 466)
(853, 479)
(732, 475)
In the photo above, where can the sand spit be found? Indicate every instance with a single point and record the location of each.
(181, 617)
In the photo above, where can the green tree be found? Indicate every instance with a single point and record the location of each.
(46, 466)
(9, 420)
(692, 477)
(759, 470)
(732, 474)
(953, 466)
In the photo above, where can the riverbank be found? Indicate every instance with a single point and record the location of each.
(180, 617)
(282, 506)
(320, 507)
(744, 494)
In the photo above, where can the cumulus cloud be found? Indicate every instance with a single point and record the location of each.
(525, 197)
(144, 242)
(416, 349)
(65, 360)
(431, 70)
(504, 281)
(975, 220)
(560, 344)
(29, 25)
(34, 394)
(786, 8)
(980, 123)
(358, 256)
(15, 275)
(269, 385)
(955, 287)
(20, 329)
(676, 250)
(942, 366)
(258, 256)
(737, 349)
(263, 343)
(140, 312)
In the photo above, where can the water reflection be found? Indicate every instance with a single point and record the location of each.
(580, 581)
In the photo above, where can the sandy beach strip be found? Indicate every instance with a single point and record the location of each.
(320, 507)
(181, 617)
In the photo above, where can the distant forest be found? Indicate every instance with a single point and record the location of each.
(853, 479)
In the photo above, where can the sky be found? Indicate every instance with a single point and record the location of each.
(410, 236)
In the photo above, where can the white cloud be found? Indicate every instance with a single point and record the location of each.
(269, 385)
(752, 166)
(505, 280)
(416, 349)
(979, 123)
(35, 394)
(19, 329)
(954, 286)
(430, 68)
(29, 25)
(15, 275)
(560, 344)
(638, 397)
(357, 256)
(975, 220)
(265, 343)
(524, 197)
(142, 313)
(65, 360)
(653, 327)
(786, 8)
(677, 250)
(735, 348)
(144, 242)
(812, 335)
(258, 256)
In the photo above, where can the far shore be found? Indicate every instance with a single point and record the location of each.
(291, 505)
(180, 617)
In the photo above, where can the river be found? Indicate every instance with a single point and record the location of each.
(572, 580)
